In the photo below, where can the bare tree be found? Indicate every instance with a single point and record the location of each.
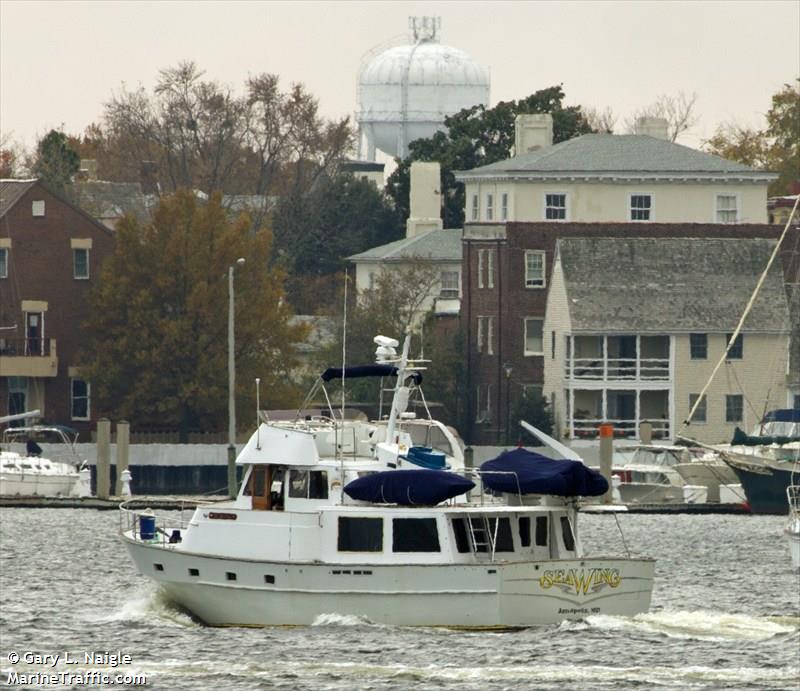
(677, 110)
(602, 121)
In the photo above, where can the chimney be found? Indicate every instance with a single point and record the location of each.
(87, 169)
(425, 198)
(532, 132)
(657, 128)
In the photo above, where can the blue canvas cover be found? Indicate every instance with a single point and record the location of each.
(783, 415)
(527, 472)
(408, 487)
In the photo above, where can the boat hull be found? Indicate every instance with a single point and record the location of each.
(765, 488)
(35, 485)
(479, 595)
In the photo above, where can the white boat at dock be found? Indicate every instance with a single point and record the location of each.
(353, 517)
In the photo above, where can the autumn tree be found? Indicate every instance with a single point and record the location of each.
(475, 137)
(678, 110)
(776, 147)
(56, 161)
(155, 346)
(203, 135)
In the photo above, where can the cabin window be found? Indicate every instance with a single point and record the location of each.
(415, 535)
(230, 575)
(460, 532)
(360, 534)
(269, 579)
(194, 572)
(541, 531)
(308, 484)
(525, 531)
(504, 542)
(566, 534)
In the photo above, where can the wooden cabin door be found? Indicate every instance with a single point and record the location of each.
(260, 484)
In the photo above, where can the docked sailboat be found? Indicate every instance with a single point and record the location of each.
(353, 517)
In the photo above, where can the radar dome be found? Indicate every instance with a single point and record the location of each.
(405, 92)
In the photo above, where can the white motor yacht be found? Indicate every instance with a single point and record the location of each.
(356, 518)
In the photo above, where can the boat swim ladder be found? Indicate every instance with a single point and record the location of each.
(484, 539)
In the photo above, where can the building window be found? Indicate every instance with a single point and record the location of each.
(698, 346)
(79, 399)
(360, 534)
(371, 280)
(733, 407)
(3, 262)
(485, 268)
(489, 207)
(483, 407)
(700, 413)
(449, 281)
(555, 207)
(736, 351)
(534, 336)
(475, 207)
(552, 345)
(532, 392)
(641, 207)
(80, 263)
(504, 206)
(534, 269)
(415, 535)
(37, 208)
(727, 208)
(486, 335)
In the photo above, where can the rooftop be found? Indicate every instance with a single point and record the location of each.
(671, 285)
(435, 245)
(593, 155)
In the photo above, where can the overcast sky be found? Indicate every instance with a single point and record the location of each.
(60, 61)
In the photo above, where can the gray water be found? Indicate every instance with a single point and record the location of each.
(725, 615)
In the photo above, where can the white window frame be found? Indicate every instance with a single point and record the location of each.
(485, 336)
(483, 403)
(37, 208)
(545, 206)
(702, 407)
(530, 282)
(475, 207)
(504, 206)
(450, 284)
(650, 210)
(490, 206)
(4, 262)
(525, 349)
(75, 275)
(486, 268)
(72, 399)
(718, 211)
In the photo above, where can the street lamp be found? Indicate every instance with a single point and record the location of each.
(232, 488)
(507, 368)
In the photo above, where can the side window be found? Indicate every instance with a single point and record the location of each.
(305, 484)
(566, 534)
(460, 533)
(360, 534)
(525, 531)
(415, 535)
(534, 269)
(541, 531)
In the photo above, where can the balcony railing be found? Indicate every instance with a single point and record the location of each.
(616, 369)
(624, 429)
(28, 357)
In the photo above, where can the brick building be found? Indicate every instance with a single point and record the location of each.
(50, 255)
(507, 269)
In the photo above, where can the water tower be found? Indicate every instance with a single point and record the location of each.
(405, 92)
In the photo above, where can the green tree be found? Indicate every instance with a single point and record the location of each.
(475, 137)
(535, 411)
(56, 161)
(776, 147)
(339, 217)
(155, 347)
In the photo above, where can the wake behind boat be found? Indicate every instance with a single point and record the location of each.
(352, 517)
